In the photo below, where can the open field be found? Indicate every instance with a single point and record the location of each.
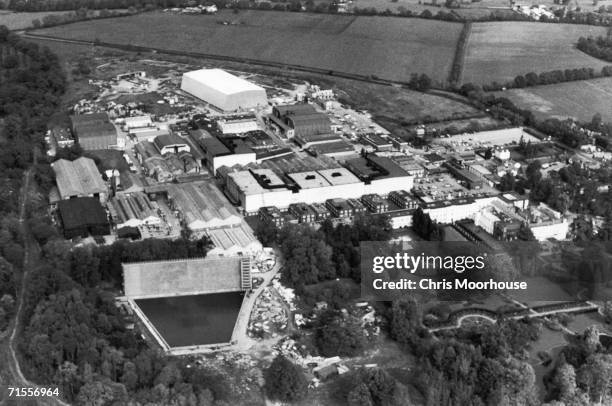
(393, 107)
(499, 51)
(390, 48)
(20, 21)
(23, 20)
(579, 100)
(474, 10)
(397, 109)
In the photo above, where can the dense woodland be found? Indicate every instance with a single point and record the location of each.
(74, 336)
(31, 84)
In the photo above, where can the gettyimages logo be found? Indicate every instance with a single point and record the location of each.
(415, 263)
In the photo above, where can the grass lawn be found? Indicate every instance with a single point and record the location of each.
(387, 47)
(579, 100)
(499, 51)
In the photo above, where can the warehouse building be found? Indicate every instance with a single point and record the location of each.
(239, 125)
(202, 206)
(184, 277)
(94, 131)
(256, 188)
(83, 216)
(300, 120)
(223, 90)
(134, 210)
(546, 223)
(230, 241)
(130, 123)
(170, 144)
(79, 178)
(332, 149)
(217, 154)
(471, 180)
(380, 175)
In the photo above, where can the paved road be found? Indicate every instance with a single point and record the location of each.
(243, 341)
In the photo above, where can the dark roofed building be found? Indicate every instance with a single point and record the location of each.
(212, 147)
(333, 148)
(83, 216)
(170, 144)
(94, 131)
(300, 120)
(373, 167)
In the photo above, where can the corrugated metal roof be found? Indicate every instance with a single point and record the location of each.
(203, 203)
(78, 178)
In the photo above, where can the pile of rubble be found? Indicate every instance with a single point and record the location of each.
(287, 294)
(268, 316)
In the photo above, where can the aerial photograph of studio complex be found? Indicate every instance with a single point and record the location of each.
(192, 194)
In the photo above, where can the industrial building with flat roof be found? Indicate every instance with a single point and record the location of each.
(223, 90)
(94, 131)
(217, 154)
(256, 188)
(83, 216)
(79, 178)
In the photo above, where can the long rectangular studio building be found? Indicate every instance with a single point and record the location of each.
(223, 90)
(255, 188)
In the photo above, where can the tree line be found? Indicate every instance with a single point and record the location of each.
(599, 47)
(313, 256)
(549, 78)
(571, 17)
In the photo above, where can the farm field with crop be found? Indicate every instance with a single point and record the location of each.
(499, 51)
(580, 100)
(387, 47)
(20, 21)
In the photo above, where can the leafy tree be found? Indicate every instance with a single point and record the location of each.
(525, 233)
(285, 381)
(337, 335)
(307, 256)
(360, 396)
(507, 182)
(565, 382)
(596, 377)
(266, 232)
